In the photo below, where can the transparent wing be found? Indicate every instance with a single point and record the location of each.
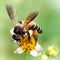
(30, 18)
(11, 12)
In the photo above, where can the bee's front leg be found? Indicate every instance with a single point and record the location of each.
(28, 35)
(16, 37)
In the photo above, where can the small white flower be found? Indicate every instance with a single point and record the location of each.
(36, 52)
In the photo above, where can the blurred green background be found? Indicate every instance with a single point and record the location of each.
(48, 18)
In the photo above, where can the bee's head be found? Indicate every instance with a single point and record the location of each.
(18, 30)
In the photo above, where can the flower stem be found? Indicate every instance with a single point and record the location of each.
(24, 55)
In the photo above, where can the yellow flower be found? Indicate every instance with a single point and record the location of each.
(32, 46)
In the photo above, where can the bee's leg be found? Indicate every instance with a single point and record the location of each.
(16, 37)
(28, 35)
(22, 35)
(36, 37)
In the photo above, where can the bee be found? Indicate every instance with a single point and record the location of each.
(23, 28)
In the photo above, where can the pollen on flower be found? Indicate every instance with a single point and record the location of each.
(27, 45)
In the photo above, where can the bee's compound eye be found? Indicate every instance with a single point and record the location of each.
(16, 37)
(17, 30)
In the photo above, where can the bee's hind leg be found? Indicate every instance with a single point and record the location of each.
(28, 36)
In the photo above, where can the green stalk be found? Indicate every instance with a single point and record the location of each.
(24, 55)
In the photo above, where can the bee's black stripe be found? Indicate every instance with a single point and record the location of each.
(39, 30)
(36, 27)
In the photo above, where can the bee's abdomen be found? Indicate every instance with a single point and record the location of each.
(39, 30)
(36, 27)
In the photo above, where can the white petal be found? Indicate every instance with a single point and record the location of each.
(15, 41)
(38, 47)
(11, 31)
(19, 51)
(34, 53)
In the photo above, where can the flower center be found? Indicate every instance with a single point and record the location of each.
(27, 45)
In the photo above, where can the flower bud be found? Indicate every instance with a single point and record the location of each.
(44, 57)
(52, 51)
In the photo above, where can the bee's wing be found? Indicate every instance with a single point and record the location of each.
(11, 12)
(30, 18)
